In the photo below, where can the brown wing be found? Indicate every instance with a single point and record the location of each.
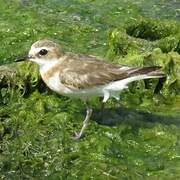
(81, 72)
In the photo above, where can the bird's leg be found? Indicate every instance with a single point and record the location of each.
(85, 122)
(102, 107)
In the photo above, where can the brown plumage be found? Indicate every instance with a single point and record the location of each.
(81, 72)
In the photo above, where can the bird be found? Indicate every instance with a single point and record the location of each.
(84, 76)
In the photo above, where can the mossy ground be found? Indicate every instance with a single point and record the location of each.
(135, 138)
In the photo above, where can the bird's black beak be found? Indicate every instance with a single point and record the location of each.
(24, 58)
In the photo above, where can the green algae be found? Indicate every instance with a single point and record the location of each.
(137, 139)
(148, 42)
(143, 35)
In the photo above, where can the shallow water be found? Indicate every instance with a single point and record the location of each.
(138, 139)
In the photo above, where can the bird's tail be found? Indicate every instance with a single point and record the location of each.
(136, 74)
(151, 72)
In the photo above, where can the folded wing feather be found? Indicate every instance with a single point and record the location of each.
(81, 72)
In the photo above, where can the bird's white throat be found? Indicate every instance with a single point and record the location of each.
(46, 65)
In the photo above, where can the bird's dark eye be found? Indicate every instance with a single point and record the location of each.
(43, 52)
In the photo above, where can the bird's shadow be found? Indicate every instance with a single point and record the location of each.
(135, 118)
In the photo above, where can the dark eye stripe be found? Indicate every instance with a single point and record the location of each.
(43, 52)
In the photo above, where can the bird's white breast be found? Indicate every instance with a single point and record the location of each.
(53, 81)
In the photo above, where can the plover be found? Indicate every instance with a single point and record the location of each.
(83, 76)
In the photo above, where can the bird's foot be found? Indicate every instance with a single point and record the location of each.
(77, 136)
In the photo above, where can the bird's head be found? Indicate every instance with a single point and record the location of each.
(43, 52)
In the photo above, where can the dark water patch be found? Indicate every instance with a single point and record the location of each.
(116, 116)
